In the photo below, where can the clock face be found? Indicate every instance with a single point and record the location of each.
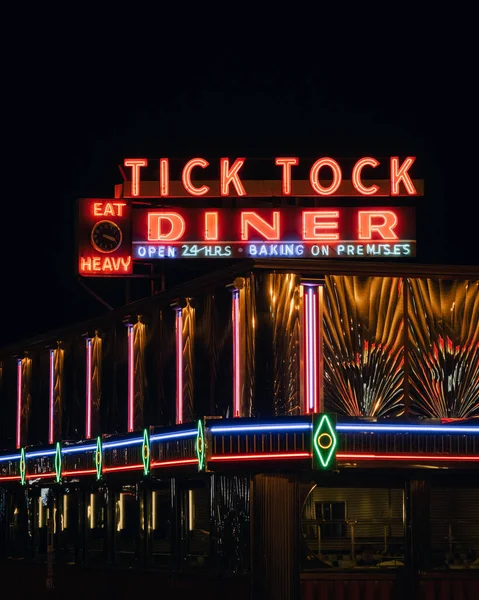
(106, 236)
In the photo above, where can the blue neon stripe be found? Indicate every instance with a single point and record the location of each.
(120, 444)
(172, 436)
(71, 450)
(40, 453)
(10, 457)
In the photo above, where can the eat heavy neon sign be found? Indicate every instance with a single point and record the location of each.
(325, 178)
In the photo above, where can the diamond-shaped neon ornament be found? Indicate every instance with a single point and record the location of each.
(325, 441)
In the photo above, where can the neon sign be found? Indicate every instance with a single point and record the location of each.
(199, 177)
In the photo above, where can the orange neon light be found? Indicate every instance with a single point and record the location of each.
(211, 226)
(135, 164)
(186, 177)
(252, 219)
(385, 228)
(314, 176)
(108, 209)
(365, 190)
(400, 174)
(312, 225)
(105, 264)
(155, 232)
(286, 163)
(263, 456)
(230, 175)
(164, 177)
(168, 463)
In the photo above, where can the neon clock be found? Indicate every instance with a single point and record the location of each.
(106, 236)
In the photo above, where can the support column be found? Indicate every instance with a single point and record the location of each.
(275, 526)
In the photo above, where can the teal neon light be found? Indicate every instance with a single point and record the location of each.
(23, 467)
(200, 446)
(58, 462)
(325, 441)
(98, 458)
(146, 455)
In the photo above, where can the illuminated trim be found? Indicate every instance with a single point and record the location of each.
(131, 376)
(79, 472)
(267, 428)
(236, 354)
(10, 478)
(120, 443)
(122, 468)
(311, 305)
(58, 462)
(265, 456)
(10, 457)
(179, 365)
(200, 446)
(325, 453)
(98, 458)
(72, 449)
(430, 457)
(19, 403)
(51, 398)
(89, 350)
(169, 463)
(158, 437)
(145, 453)
(444, 429)
(23, 467)
(39, 453)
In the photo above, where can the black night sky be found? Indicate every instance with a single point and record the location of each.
(83, 91)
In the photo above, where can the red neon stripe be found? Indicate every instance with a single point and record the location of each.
(84, 472)
(433, 457)
(39, 475)
(88, 388)
(263, 456)
(10, 478)
(167, 463)
(131, 373)
(19, 403)
(122, 468)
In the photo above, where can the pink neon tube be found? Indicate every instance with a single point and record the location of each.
(51, 395)
(88, 388)
(131, 376)
(179, 366)
(19, 403)
(311, 349)
(236, 355)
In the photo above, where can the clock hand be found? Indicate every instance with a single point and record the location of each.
(109, 237)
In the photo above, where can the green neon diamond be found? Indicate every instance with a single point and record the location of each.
(58, 462)
(98, 457)
(23, 467)
(146, 452)
(325, 441)
(200, 446)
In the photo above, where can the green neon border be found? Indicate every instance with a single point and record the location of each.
(146, 459)
(98, 453)
(319, 451)
(58, 462)
(200, 452)
(23, 467)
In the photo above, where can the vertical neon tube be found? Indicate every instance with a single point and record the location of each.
(131, 376)
(19, 403)
(236, 355)
(312, 349)
(179, 366)
(51, 396)
(89, 350)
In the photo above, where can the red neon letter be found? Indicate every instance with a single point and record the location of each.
(388, 220)
(155, 233)
(164, 177)
(286, 164)
(400, 173)
(269, 232)
(136, 164)
(186, 177)
(228, 176)
(314, 176)
(357, 183)
(312, 224)
(211, 226)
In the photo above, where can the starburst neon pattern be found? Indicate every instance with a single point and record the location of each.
(146, 452)
(58, 462)
(98, 458)
(200, 446)
(325, 441)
